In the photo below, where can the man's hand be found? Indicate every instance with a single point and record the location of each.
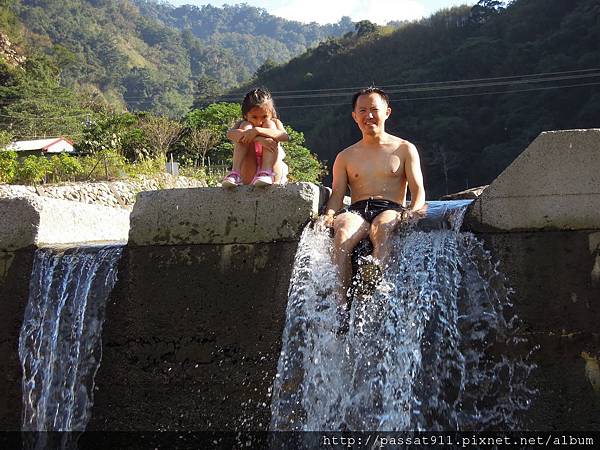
(248, 136)
(408, 217)
(267, 143)
(324, 222)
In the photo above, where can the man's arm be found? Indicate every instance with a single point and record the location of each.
(414, 177)
(338, 189)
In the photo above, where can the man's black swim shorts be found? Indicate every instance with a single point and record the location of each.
(372, 207)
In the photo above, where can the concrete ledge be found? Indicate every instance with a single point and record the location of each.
(222, 216)
(45, 221)
(553, 185)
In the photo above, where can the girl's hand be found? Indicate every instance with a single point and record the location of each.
(267, 143)
(248, 136)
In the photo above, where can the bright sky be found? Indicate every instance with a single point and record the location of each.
(329, 11)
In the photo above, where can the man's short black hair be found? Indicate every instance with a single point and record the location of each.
(370, 90)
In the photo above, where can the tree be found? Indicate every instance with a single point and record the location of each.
(365, 27)
(206, 89)
(485, 9)
(199, 141)
(266, 67)
(5, 139)
(162, 133)
(33, 169)
(8, 166)
(216, 115)
(304, 166)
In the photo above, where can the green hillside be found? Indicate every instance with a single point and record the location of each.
(149, 56)
(471, 87)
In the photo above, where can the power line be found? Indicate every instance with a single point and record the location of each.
(458, 83)
(352, 89)
(448, 96)
(450, 87)
(405, 99)
(432, 88)
(402, 91)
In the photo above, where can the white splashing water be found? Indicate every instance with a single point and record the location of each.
(434, 348)
(60, 341)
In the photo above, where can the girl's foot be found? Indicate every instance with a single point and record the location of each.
(263, 178)
(233, 179)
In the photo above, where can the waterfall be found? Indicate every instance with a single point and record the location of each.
(435, 347)
(60, 341)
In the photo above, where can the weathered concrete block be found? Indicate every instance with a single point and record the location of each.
(553, 185)
(191, 325)
(221, 216)
(15, 272)
(45, 221)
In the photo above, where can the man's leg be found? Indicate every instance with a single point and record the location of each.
(349, 229)
(382, 228)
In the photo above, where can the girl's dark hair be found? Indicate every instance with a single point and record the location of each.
(257, 97)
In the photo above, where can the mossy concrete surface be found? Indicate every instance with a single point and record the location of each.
(15, 272)
(38, 221)
(245, 214)
(557, 300)
(553, 185)
(192, 337)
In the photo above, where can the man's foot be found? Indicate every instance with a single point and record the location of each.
(233, 179)
(263, 178)
(368, 276)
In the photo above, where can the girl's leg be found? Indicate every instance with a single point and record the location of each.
(239, 154)
(281, 170)
(239, 169)
(248, 163)
(269, 158)
(273, 161)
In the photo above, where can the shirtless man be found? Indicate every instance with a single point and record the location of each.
(377, 169)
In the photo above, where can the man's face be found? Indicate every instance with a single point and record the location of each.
(370, 113)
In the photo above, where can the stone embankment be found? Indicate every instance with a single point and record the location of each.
(107, 193)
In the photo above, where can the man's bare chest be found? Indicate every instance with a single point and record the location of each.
(371, 167)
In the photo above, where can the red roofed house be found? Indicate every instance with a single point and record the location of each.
(41, 146)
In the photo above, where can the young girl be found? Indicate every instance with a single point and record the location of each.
(257, 155)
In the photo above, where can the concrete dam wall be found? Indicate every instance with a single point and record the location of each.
(193, 326)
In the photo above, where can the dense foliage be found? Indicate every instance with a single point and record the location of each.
(148, 56)
(467, 131)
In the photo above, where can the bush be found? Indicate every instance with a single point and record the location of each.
(104, 165)
(8, 166)
(33, 169)
(147, 166)
(304, 165)
(200, 173)
(65, 168)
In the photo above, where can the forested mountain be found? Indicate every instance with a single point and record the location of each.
(145, 55)
(471, 87)
(251, 33)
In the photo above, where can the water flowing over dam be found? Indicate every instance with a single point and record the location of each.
(60, 344)
(434, 348)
